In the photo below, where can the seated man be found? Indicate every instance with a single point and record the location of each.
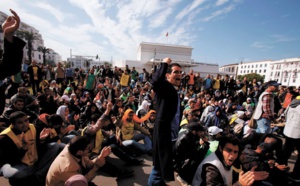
(192, 146)
(30, 102)
(125, 133)
(262, 158)
(73, 160)
(216, 169)
(17, 105)
(19, 160)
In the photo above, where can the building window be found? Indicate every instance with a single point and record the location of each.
(259, 71)
(260, 65)
(39, 56)
(271, 74)
(232, 69)
(256, 65)
(251, 71)
(245, 66)
(247, 71)
(294, 80)
(244, 71)
(241, 71)
(252, 66)
(255, 71)
(248, 66)
(242, 67)
(266, 65)
(285, 80)
(265, 70)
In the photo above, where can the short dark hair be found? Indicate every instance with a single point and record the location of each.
(55, 120)
(16, 115)
(229, 138)
(78, 143)
(95, 117)
(18, 98)
(169, 70)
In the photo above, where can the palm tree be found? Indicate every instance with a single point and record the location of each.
(44, 50)
(29, 37)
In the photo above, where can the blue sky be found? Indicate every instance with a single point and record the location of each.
(220, 31)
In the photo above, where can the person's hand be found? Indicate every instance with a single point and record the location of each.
(10, 25)
(167, 60)
(259, 175)
(105, 152)
(71, 127)
(44, 133)
(246, 179)
(76, 117)
(283, 167)
(109, 105)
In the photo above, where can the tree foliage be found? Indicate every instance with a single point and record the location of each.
(29, 37)
(252, 76)
(44, 50)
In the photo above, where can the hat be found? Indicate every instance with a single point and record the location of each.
(273, 83)
(195, 126)
(65, 97)
(53, 81)
(249, 99)
(214, 130)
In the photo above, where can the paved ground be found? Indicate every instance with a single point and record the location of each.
(141, 174)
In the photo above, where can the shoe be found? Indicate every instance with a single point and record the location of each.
(124, 173)
(136, 161)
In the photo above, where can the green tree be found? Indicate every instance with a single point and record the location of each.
(252, 76)
(44, 50)
(29, 37)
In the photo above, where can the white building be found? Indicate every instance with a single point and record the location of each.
(230, 69)
(83, 62)
(36, 55)
(259, 67)
(286, 71)
(150, 55)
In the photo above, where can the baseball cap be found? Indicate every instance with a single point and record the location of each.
(273, 83)
(195, 126)
(213, 130)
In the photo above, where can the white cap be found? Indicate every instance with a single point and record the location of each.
(65, 97)
(213, 130)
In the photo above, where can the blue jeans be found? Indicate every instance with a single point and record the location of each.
(263, 126)
(155, 178)
(146, 147)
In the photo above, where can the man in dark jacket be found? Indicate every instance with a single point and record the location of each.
(165, 83)
(36, 76)
(11, 60)
(192, 146)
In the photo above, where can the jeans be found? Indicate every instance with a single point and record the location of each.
(18, 173)
(146, 147)
(155, 178)
(263, 126)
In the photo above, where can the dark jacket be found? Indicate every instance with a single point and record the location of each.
(167, 101)
(187, 147)
(12, 58)
(39, 73)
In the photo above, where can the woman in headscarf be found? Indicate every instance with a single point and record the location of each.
(69, 119)
(143, 108)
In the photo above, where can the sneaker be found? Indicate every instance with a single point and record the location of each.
(124, 173)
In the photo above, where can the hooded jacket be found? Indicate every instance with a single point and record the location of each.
(292, 125)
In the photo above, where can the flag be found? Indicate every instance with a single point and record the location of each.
(167, 34)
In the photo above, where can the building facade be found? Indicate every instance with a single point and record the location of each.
(231, 69)
(150, 55)
(38, 41)
(286, 71)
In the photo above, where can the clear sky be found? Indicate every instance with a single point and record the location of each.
(220, 31)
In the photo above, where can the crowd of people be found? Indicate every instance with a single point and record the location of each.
(60, 124)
